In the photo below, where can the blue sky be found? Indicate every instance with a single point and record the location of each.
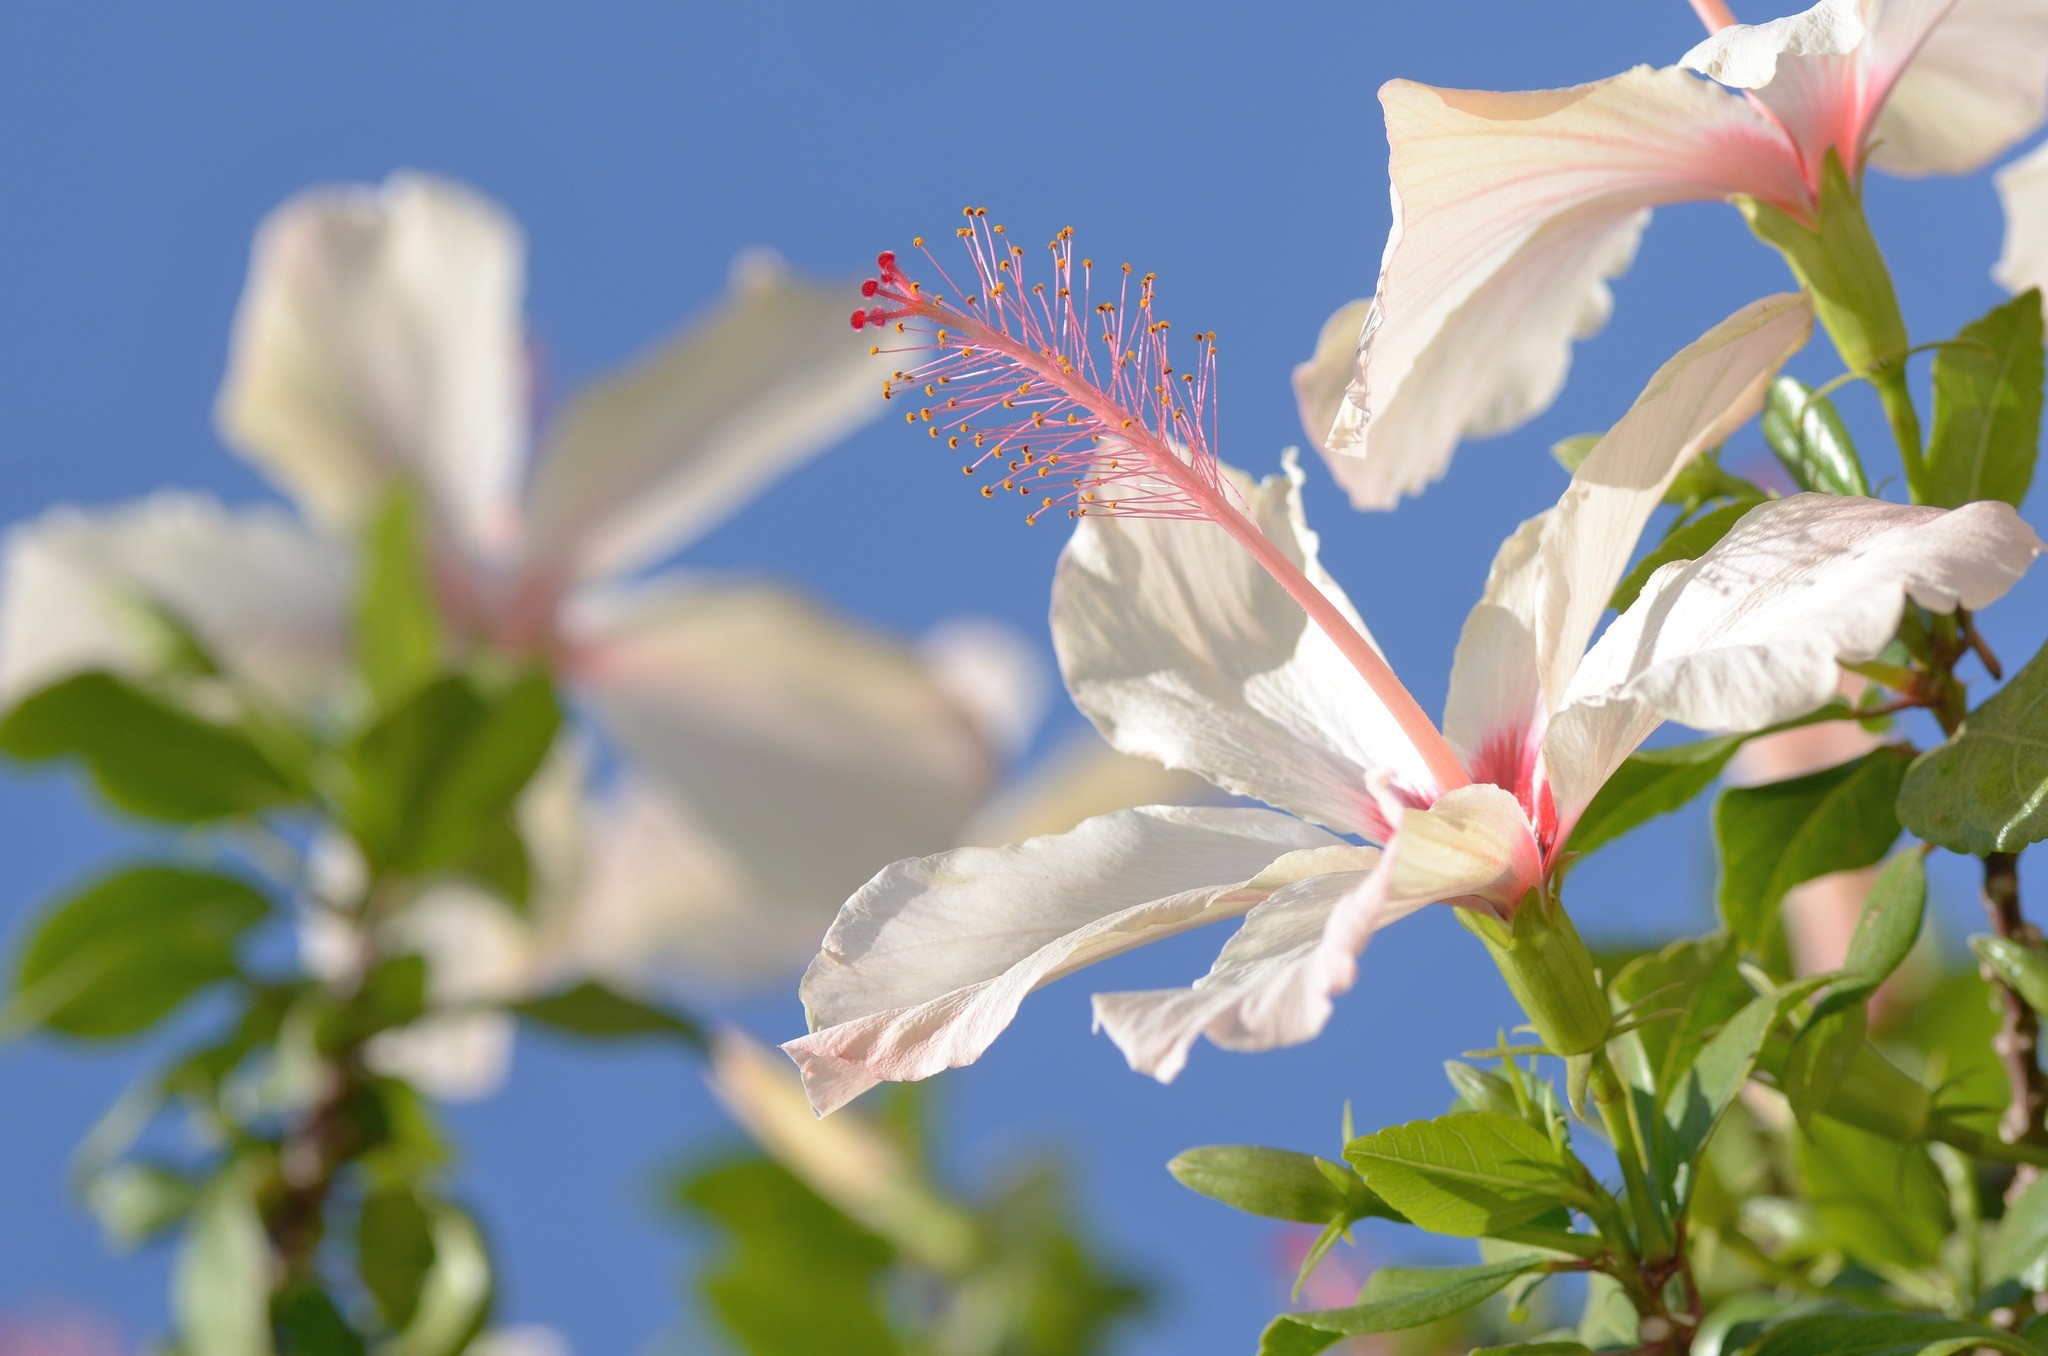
(1235, 149)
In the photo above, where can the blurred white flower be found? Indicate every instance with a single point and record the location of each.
(776, 752)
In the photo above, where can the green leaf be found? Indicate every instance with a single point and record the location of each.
(1886, 1334)
(398, 622)
(2019, 1246)
(1687, 541)
(1987, 408)
(1695, 986)
(797, 1277)
(592, 1010)
(2022, 966)
(309, 1323)
(1469, 1174)
(1811, 441)
(437, 777)
(1704, 1093)
(1880, 1202)
(1479, 1090)
(123, 953)
(395, 1250)
(1886, 932)
(1395, 1298)
(1820, 1058)
(1776, 836)
(1655, 782)
(135, 1202)
(1536, 1349)
(1277, 1183)
(145, 756)
(220, 1288)
(455, 1297)
(1986, 790)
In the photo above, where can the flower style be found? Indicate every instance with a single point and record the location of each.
(379, 341)
(1233, 654)
(1513, 210)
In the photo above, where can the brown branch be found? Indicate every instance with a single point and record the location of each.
(2018, 1041)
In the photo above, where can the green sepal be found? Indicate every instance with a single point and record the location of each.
(1549, 971)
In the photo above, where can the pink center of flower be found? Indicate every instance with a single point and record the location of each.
(1078, 405)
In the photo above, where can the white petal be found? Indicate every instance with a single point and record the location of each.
(452, 1056)
(649, 459)
(1320, 383)
(1753, 631)
(991, 672)
(1746, 56)
(809, 749)
(1080, 779)
(379, 336)
(1182, 650)
(927, 964)
(1273, 982)
(2023, 190)
(1550, 582)
(90, 589)
(1967, 80)
(1511, 211)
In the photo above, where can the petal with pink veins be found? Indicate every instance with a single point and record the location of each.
(1183, 650)
(1550, 582)
(2023, 192)
(1273, 982)
(1755, 630)
(1511, 212)
(927, 964)
(378, 337)
(1966, 79)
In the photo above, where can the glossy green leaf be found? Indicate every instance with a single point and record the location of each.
(1884, 1334)
(398, 623)
(1987, 408)
(124, 952)
(1783, 834)
(145, 756)
(1469, 1174)
(1277, 1183)
(436, 779)
(1986, 790)
(1707, 1088)
(395, 1250)
(591, 1010)
(1810, 440)
(1688, 541)
(1395, 1298)
(2022, 966)
(1881, 1202)
(220, 1287)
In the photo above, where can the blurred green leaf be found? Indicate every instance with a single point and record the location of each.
(309, 1323)
(592, 1010)
(398, 623)
(2019, 1245)
(1820, 1057)
(455, 1297)
(436, 778)
(1886, 1334)
(220, 1288)
(1277, 1183)
(1783, 834)
(1688, 541)
(1042, 1293)
(1687, 991)
(1470, 1174)
(1395, 1298)
(395, 1250)
(123, 953)
(798, 1277)
(146, 756)
(1986, 790)
(1810, 440)
(1881, 1202)
(1987, 408)
(134, 1202)
(1885, 934)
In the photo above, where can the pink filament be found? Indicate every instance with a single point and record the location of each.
(1715, 14)
(1140, 444)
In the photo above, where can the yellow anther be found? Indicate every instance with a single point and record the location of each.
(988, 492)
(917, 241)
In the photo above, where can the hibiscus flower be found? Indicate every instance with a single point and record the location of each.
(1513, 210)
(1232, 653)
